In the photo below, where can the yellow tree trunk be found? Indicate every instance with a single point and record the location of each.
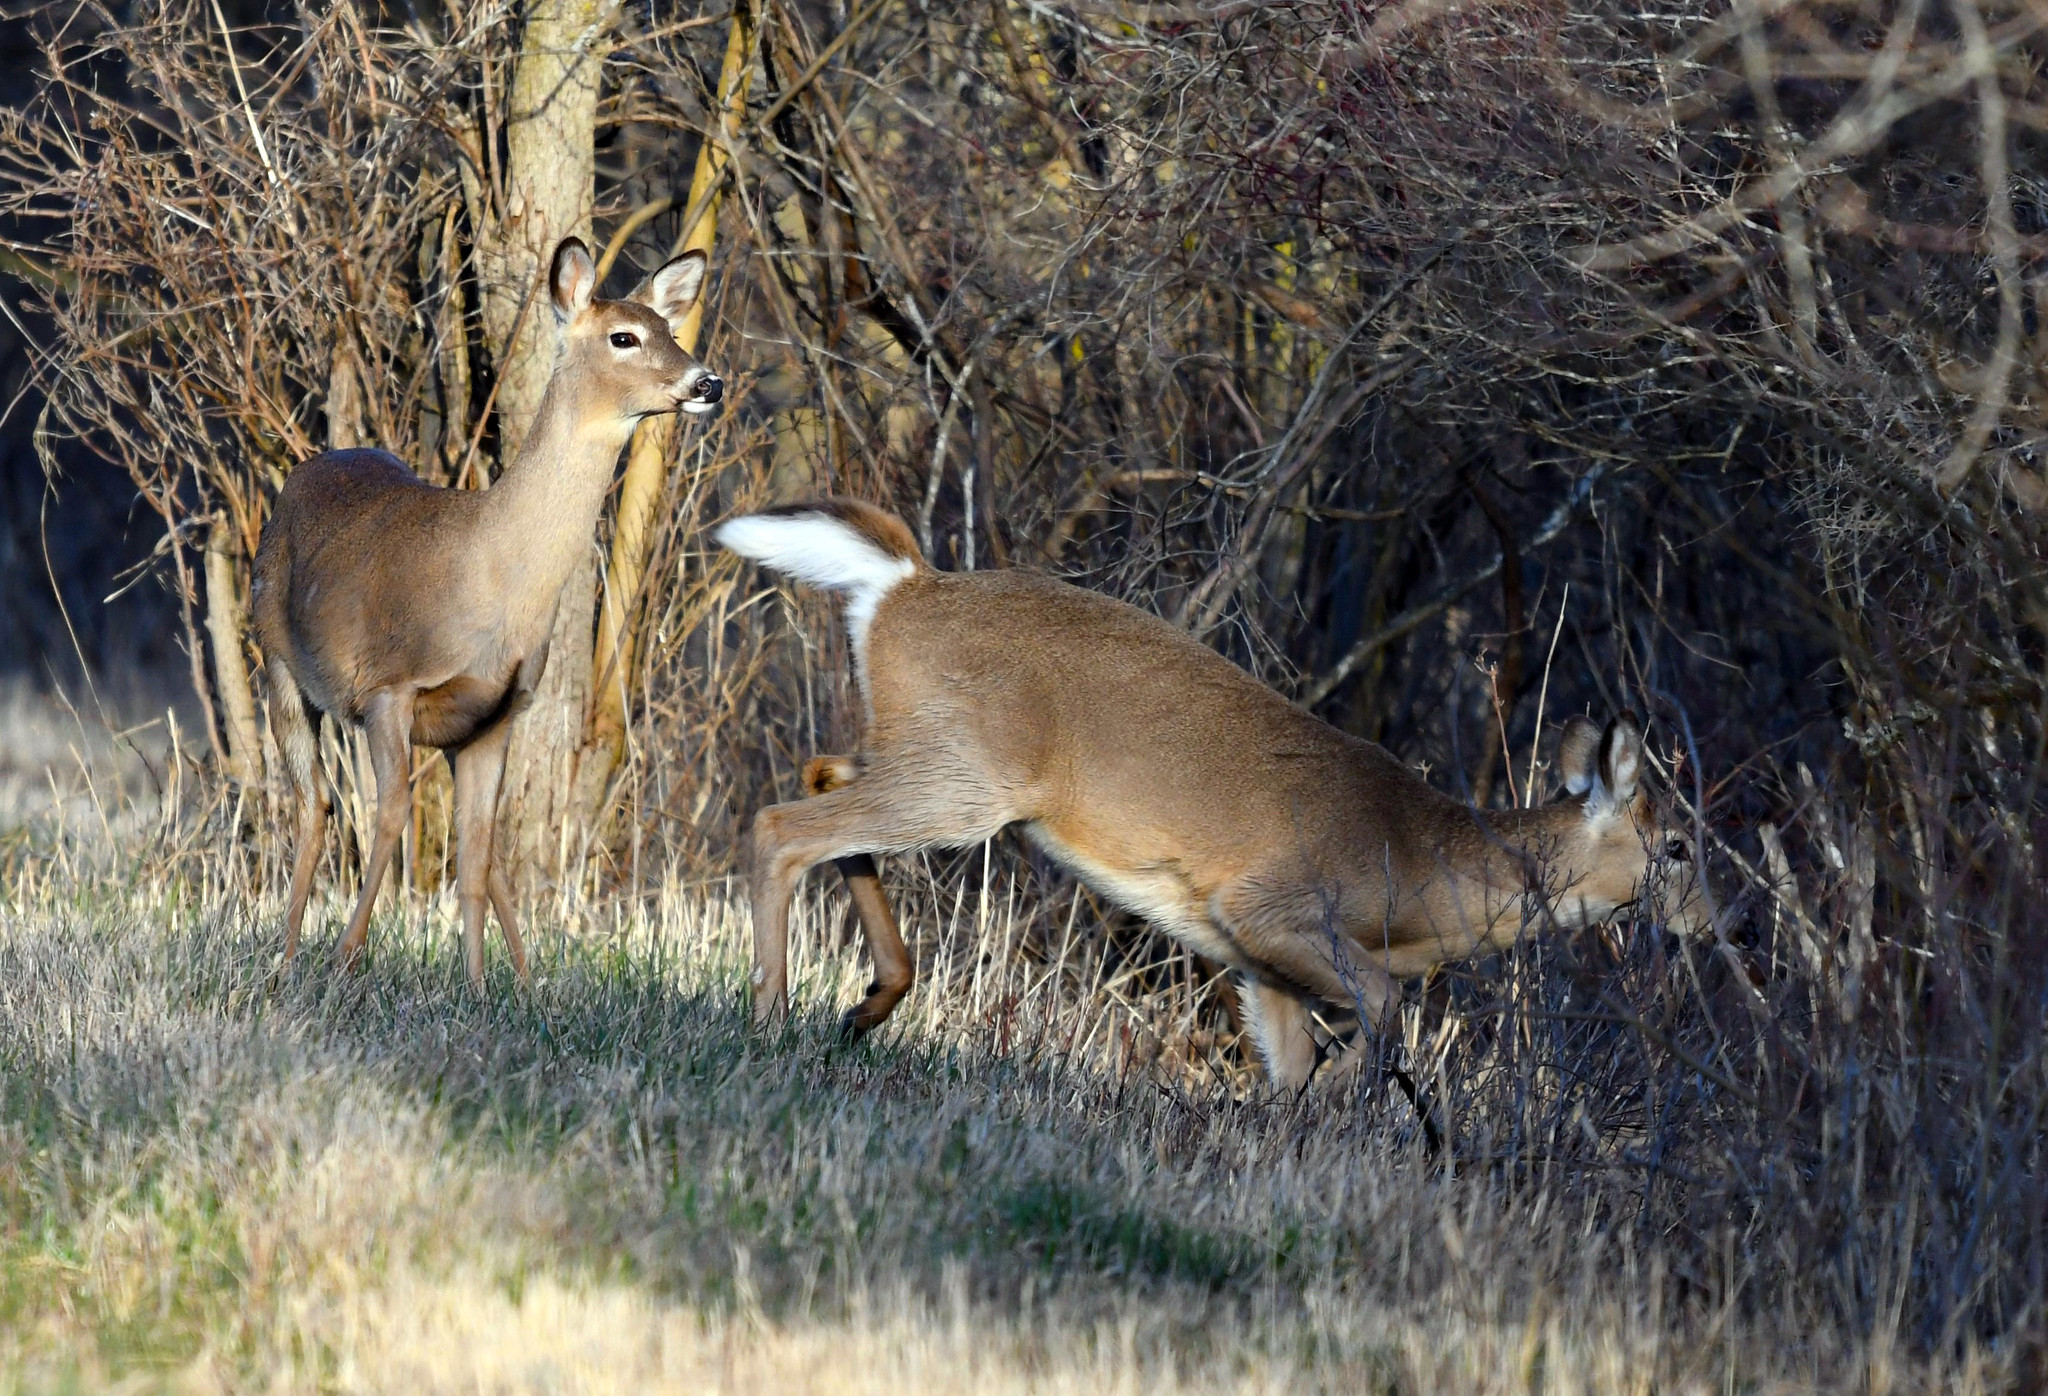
(225, 622)
(647, 461)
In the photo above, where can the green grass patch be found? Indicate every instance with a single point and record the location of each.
(1064, 1224)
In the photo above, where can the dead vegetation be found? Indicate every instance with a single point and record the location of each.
(1454, 367)
(211, 1180)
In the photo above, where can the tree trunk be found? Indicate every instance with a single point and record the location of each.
(550, 165)
(225, 622)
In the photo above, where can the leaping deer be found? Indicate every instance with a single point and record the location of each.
(1311, 863)
(424, 613)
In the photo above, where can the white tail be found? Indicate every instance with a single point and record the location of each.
(1313, 864)
(838, 545)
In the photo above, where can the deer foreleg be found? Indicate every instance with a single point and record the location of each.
(479, 773)
(508, 918)
(1279, 1023)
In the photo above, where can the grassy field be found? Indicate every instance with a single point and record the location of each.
(1049, 1173)
(214, 1180)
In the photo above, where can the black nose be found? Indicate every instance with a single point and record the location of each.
(709, 388)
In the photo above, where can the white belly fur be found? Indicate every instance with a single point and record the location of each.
(1160, 896)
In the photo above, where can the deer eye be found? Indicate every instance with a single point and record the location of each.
(623, 340)
(1678, 848)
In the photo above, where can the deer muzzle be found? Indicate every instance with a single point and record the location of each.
(703, 392)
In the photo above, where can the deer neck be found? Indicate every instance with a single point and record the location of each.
(1507, 854)
(537, 521)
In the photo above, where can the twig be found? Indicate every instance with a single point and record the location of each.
(817, 65)
(1560, 517)
(1543, 692)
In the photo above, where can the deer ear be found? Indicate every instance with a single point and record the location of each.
(572, 278)
(673, 288)
(1621, 765)
(1577, 748)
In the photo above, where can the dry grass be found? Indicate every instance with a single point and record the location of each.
(213, 1181)
(82, 778)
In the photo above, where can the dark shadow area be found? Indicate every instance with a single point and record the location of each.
(72, 539)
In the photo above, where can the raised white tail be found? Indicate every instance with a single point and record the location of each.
(836, 544)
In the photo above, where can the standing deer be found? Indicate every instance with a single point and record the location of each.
(1311, 863)
(424, 613)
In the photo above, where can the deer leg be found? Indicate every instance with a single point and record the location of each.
(293, 725)
(824, 774)
(1279, 1022)
(882, 812)
(479, 771)
(1303, 947)
(508, 918)
(1298, 942)
(1289, 1050)
(388, 721)
(894, 972)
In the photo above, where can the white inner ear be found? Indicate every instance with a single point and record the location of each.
(1615, 780)
(1625, 770)
(672, 290)
(1576, 782)
(575, 279)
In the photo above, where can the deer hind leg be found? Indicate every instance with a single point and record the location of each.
(388, 720)
(479, 771)
(894, 972)
(293, 725)
(892, 808)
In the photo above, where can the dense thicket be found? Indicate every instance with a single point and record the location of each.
(1453, 366)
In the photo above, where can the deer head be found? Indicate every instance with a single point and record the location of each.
(1624, 845)
(623, 354)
